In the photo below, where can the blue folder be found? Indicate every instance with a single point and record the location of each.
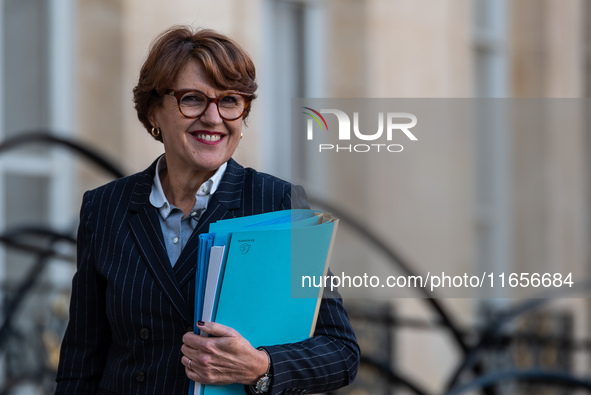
(205, 244)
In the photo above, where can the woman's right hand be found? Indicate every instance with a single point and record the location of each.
(223, 358)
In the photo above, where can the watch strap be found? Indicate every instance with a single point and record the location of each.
(262, 385)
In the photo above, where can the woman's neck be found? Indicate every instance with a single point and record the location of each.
(180, 187)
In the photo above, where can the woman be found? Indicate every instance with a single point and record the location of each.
(130, 329)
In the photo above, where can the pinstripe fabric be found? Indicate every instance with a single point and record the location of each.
(130, 307)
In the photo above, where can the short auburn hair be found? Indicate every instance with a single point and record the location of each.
(224, 61)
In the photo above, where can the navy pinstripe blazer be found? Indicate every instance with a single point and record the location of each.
(130, 307)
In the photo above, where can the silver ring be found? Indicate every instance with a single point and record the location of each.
(190, 364)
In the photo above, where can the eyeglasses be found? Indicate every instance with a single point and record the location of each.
(193, 103)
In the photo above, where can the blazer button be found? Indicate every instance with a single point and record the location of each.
(145, 333)
(140, 376)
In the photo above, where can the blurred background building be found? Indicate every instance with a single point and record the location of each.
(508, 198)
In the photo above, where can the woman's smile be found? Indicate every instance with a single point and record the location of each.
(207, 137)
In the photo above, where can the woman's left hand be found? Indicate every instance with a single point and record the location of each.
(225, 358)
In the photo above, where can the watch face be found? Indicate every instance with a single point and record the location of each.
(263, 384)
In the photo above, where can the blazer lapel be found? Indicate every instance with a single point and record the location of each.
(224, 203)
(147, 232)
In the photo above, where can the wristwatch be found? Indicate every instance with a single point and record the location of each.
(262, 386)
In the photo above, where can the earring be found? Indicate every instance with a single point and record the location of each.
(155, 132)
(241, 135)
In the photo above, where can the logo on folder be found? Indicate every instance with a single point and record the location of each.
(244, 248)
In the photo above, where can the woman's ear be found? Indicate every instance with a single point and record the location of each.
(152, 119)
